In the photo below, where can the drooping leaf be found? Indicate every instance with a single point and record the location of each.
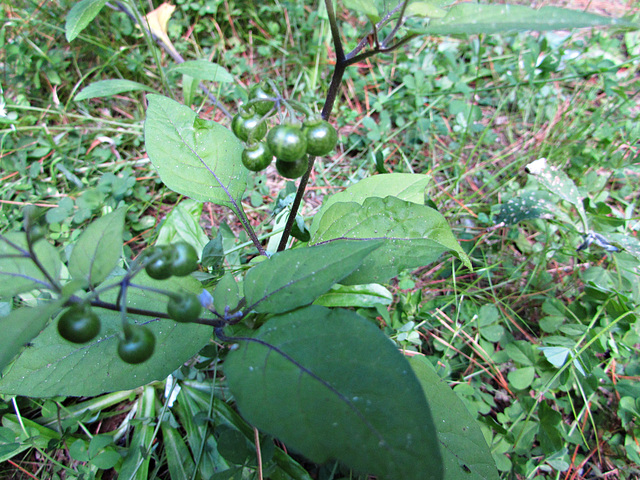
(297, 277)
(108, 88)
(18, 272)
(80, 16)
(203, 70)
(319, 380)
(414, 235)
(98, 249)
(465, 452)
(194, 157)
(405, 186)
(556, 181)
(355, 296)
(183, 224)
(468, 18)
(157, 22)
(57, 367)
(20, 327)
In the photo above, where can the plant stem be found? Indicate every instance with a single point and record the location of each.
(342, 62)
(336, 80)
(149, 313)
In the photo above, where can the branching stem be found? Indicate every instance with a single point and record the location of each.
(342, 62)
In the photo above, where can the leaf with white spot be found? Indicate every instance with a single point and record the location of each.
(527, 205)
(557, 182)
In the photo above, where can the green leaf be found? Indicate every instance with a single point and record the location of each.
(136, 462)
(98, 249)
(57, 367)
(194, 157)
(179, 459)
(556, 356)
(30, 434)
(203, 70)
(465, 452)
(18, 273)
(425, 9)
(366, 7)
(226, 294)
(309, 378)
(183, 224)
(467, 18)
(293, 278)
(108, 88)
(80, 16)
(557, 182)
(20, 327)
(527, 205)
(405, 186)
(414, 235)
(365, 296)
(521, 378)
(629, 244)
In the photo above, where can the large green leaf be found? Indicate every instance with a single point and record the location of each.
(20, 327)
(18, 272)
(469, 18)
(465, 452)
(414, 235)
(297, 277)
(80, 16)
(405, 186)
(107, 88)
(330, 385)
(98, 249)
(53, 366)
(194, 157)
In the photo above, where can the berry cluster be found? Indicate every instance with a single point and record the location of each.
(80, 324)
(290, 143)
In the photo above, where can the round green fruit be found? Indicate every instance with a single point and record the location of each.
(321, 137)
(249, 126)
(287, 142)
(137, 346)
(78, 324)
(184, 308)
(159, 268)
(292, 169)
(183, 259)
(257, 157)
(260, 98)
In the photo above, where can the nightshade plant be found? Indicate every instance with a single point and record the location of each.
(322, 379)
